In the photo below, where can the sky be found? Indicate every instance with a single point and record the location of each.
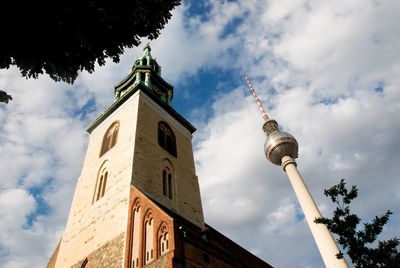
(327, 71)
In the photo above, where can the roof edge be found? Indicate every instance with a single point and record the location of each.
(126, 96)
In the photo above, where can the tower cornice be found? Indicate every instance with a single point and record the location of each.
(130, 78)
(149, 93)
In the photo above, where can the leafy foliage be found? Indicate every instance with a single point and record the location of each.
(64, 37)
(357, 241)
(4, 97)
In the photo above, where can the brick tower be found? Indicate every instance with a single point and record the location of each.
(137, 202)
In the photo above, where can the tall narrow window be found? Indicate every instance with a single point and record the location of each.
(86, 264)
(148, 238)
(135, 234)
(163, 239)
(167, 183)
(167, 180)
(110, 138)
(101, 184)
(169, 186)
(166, 138)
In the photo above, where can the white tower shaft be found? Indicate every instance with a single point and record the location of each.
(323, 238)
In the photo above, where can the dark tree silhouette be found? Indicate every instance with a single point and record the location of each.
(356, 241)
(4, 97)
(61, 38)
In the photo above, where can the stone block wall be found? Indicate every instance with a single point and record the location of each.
(110, 255)
(149, 157)
(92, 224)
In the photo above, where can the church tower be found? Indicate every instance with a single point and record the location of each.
(137, 201)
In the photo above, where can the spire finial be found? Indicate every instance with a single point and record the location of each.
(147, 50)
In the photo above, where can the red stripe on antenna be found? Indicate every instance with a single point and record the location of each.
(260, 107)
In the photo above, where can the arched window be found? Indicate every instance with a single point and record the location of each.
(167, 183)
(166, 138)
(86, 264)
(110, 138)
(148, 238)
(155, 66)
(135, 233)
(101, 184)
(163, 239)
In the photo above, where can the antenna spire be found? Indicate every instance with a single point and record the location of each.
(260, 107)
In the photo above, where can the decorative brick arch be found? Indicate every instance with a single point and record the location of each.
(135, 233)
(136, 204)
(163, 242)
(148, 237)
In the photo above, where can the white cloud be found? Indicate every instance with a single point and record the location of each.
(16, 238)
(16, 205)
(191, 43)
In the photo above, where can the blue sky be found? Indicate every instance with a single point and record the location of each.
(327, 71)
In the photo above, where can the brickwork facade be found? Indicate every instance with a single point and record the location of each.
(160, 218)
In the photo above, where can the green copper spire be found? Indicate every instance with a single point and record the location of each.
(147, 50)
(145, 71)
(147, 60)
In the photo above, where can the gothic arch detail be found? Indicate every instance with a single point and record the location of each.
(163, 239)
(168, 182)
(166, 138)
(135, 233)
(110, 138)
(101, 182)
(136, 204)
(148, 238)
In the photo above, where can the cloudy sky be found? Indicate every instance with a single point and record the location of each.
(328, 71)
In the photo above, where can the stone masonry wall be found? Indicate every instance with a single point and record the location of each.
(110, 255)
(149, 157)
(91, 224)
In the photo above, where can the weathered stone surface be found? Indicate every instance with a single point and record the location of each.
(91, 224)
(162, 262)
(149, 157)
(110, 255)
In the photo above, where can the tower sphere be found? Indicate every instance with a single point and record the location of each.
(280, 144)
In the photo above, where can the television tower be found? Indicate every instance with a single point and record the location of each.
(281, 149)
